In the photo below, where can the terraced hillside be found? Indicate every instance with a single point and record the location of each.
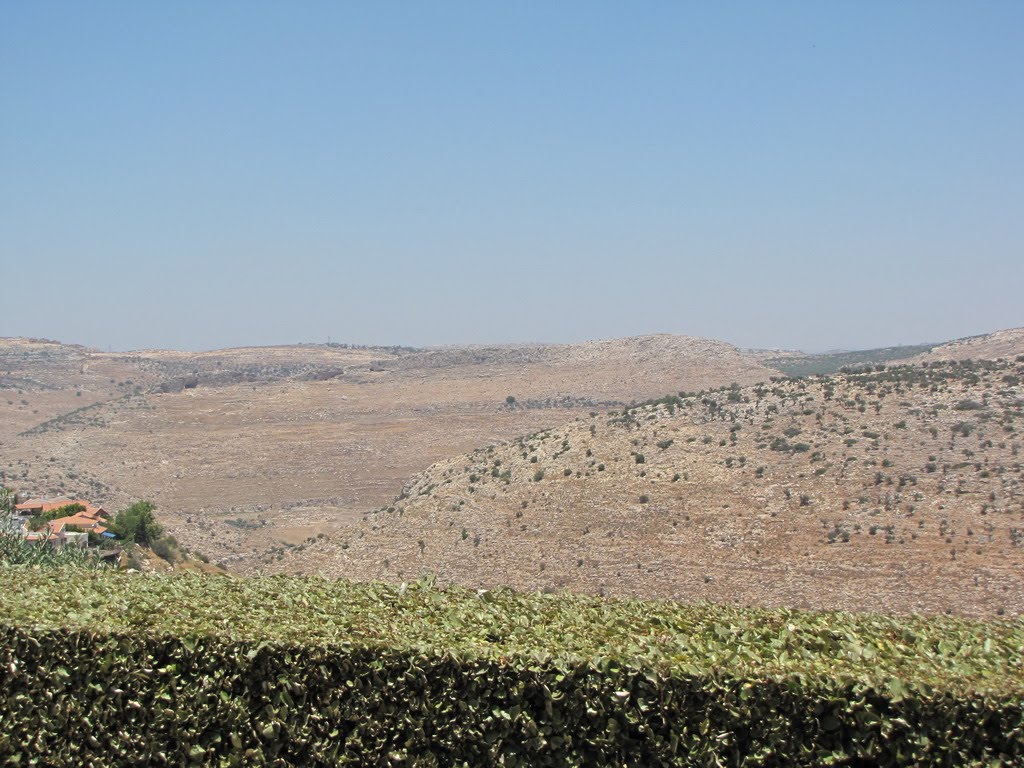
(898, 489)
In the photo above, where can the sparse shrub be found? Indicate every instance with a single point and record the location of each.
(968, 405)
(962, 427)
(166, 547)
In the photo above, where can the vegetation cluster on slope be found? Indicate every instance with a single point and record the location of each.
(834, 362)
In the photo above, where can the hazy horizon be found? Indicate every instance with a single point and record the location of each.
(511, 342)
(799, 176)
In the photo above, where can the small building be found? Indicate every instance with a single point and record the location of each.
(74, 528)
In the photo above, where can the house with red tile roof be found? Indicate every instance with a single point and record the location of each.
(82, 518)
(32, 507)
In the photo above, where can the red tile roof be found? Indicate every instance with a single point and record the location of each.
(42, 506)
(82, 520)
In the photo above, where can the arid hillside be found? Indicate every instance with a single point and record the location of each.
(250, 452)
(42, 380)
(896, 489)
(1007, 343)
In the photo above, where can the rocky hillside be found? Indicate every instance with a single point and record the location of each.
(253, 451)
(614, 369)
(1007, 343)
(990, 346)
(898, 489)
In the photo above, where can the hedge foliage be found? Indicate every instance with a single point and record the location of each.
(15, 550)
(104, 668)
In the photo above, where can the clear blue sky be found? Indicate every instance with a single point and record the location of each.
(809, 175)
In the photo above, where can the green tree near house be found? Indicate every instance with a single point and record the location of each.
(138, 523)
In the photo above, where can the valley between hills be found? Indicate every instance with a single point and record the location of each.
(658, 466)
(249, 452)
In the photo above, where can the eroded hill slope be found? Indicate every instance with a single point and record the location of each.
(897, 490)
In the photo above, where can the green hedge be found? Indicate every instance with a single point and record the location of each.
(15, 550)
(109, 669)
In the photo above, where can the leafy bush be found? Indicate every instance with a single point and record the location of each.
(962, 427)
(66, 511)
(784, 446)
(14, 550)
(138, 523)
(199, 670)
(968, 405)
(167, 548)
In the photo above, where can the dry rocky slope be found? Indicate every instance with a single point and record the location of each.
(251, 452)
(898, 489)
(1007, 343)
